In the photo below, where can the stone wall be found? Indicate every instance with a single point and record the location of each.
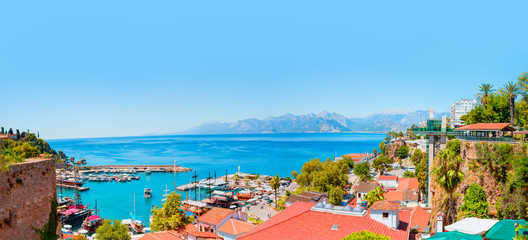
(25, 194)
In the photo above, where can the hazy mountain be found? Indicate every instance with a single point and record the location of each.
(323, 122)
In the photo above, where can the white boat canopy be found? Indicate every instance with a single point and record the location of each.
(475, 226)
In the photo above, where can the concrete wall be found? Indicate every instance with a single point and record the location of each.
(25, 193)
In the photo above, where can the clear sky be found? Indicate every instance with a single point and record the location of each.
(116, 68)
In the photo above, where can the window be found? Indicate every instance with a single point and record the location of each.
(385, 215)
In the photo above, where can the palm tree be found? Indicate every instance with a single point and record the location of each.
(275, 184)
(512, 90)
(448, 174)
(485, 89)
(375, 195)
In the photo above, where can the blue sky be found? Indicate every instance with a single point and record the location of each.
(116, 68)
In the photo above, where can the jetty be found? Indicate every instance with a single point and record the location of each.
(81, 189)
(136, 168)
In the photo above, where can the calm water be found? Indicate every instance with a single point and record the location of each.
(268, 154)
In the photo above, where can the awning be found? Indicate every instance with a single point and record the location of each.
(504, 229)
(455, 236)
(472, 225)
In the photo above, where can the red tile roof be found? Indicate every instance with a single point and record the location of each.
(486, 126)
(160, 236)
(215, 215)
(207, 235)
(299, 222)
(385, 205)
(408, 183)
(236, 227)
(384, 177)
(419, 217)
(395, 196)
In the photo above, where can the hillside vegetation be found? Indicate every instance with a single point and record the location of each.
(27, 146)
(501, 169)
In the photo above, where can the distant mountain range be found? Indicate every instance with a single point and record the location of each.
(395, 120)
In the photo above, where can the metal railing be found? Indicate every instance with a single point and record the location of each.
(486, 139)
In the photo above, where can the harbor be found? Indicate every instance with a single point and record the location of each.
(135, 168)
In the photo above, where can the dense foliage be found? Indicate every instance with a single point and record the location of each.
(362, 170)
(15, 151)
(403, 151)
(170, 216)
(375, 195)
(112, 230)
(365, 235)
(409, 174)
(323, 176)
(382, 164)
(509, 104)
(336, 195)
(475, 203)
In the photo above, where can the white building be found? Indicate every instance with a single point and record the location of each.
(460, 108)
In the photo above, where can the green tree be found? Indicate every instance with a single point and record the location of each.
(409, 174)
(485, 89)
(365, 235)
(26, 150)
(382, 147)
(375, 151)
(512, 90)
(417, 157)
(421, 175)
(2, 130)
(475, 202)
(375, 195)
(18, 134)
(323, 176)
(112, 230)
(294, 174)
(454, 145)
(349, 161)
(382, 164)
(403, 151)
(10, 131)
(275, 184)
(448, 175)
(336, 195)
(362, 170)
(169, 216)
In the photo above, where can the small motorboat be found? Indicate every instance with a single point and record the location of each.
(147, 193)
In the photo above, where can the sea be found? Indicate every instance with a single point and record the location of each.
(208, 155)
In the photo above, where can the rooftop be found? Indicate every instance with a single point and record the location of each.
(385, 206)
(366, 186)
(215, 215)
(160, 236)
(487, 127)
(387, 178)
(299, 222)
(236, 227)
(408, 183)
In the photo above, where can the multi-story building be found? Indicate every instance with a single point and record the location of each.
(460, 108)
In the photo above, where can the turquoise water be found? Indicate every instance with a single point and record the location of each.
(268, 154)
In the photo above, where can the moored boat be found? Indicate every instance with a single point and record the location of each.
(137, 223)
(147, 193)
(91, 223)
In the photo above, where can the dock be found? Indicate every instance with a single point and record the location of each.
(137, 168)
(186, 187)
(73, 187)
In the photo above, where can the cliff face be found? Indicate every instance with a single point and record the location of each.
(25, 193)
(391, 150)
(474, 173)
